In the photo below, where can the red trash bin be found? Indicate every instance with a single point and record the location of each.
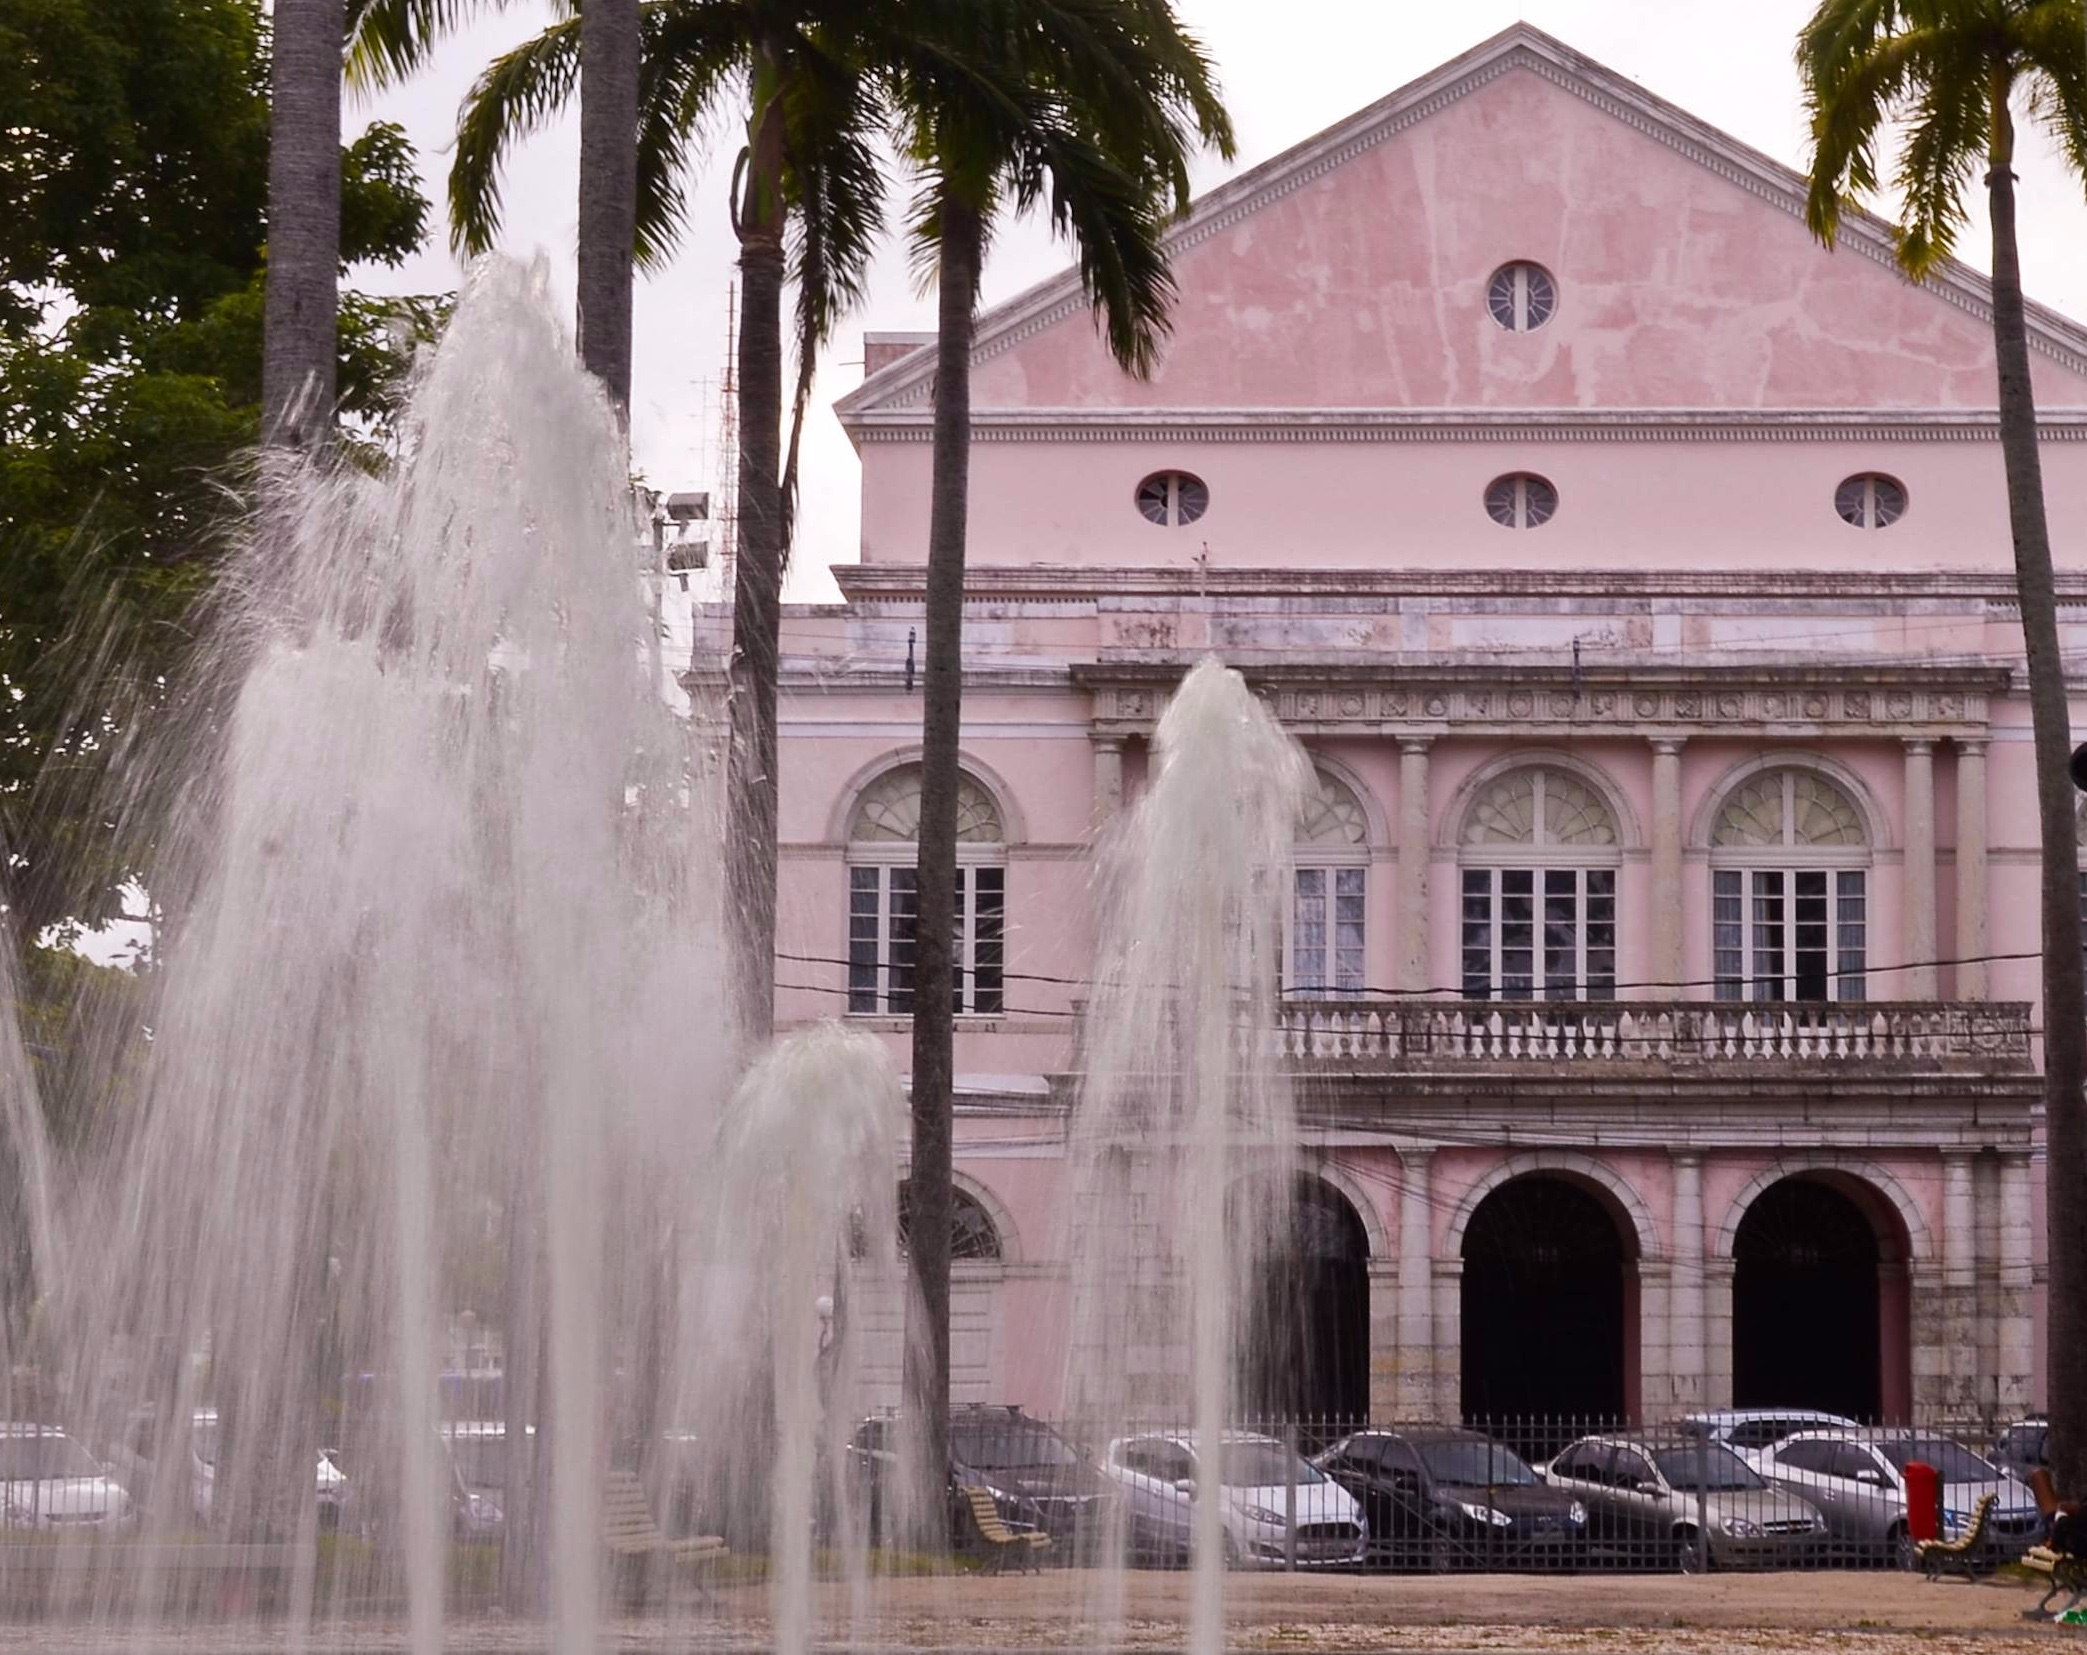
(1923, 1501)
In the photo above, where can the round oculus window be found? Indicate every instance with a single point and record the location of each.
(1521, 296)
(1870, 500)
(1521, 500)
(1173, 498)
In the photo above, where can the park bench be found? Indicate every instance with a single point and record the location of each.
(1936, 1558)
(2067, 1573)
(1001, 1541)
(635, 1542)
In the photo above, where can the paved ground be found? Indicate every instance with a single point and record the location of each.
(1822, 1614)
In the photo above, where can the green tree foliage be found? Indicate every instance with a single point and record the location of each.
(132, 270)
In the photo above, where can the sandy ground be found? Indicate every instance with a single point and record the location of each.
(1815, 1614)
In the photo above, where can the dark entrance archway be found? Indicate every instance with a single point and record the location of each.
(1549, 1309)
(1809, 1301)
(1305, 1334)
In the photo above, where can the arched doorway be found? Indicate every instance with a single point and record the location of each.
(1305, 1335)
(1550, 1303)
(1818, 1300)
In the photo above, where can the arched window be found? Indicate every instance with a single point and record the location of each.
(1789, 892)
(1540, 851)
(883, 848)
(1324, 949)
(973, 1238)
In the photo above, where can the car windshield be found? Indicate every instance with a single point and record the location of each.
(1953, 1462)
(481, 1461)
(1705, 1467)
(28, 1459)
(1266, 1465)
(1468, 1464)
(1018, 1443)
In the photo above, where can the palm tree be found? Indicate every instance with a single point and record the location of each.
(304, 223)
(1952, 75)
(1091, 108)
(806, 205)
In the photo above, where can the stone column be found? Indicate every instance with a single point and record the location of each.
(1972, 975)
(1412, 920)
(1959, 1278)
(1685, 1330)
(1918, 982)
(1108, 777)
(1414, 1397)
(1386, 1307)
(1449, 1340)
(1717, 1333)
(2017, 1340)
(1666, 868)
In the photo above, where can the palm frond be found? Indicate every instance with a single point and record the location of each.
(690, 54)
(1944, 150)
(389, 39)
(513, 96)
(1857, 64)
(1113, 221)
(2052, 63)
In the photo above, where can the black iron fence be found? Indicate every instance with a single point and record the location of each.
(1752, 1490)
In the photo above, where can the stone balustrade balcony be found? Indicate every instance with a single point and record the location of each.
(1338, 1036)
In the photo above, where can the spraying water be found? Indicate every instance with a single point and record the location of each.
(1184, 1109)
(437, 1028)
(807, 1181)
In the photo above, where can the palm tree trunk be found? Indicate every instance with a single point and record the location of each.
(304, 222)
(2065, 1017)
(750, 770)
(934, 976)
(608, 192)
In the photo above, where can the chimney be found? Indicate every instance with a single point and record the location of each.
(880, 350)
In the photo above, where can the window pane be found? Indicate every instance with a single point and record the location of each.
(1850, 932)
(1517, 933)
(1769, 941)
(1727, 934)
(1810, 928)
(1348, 963)
(903, 940)
(1478, 933)
(1601, 934)
(1561, 933)
(960, 941)
(988, 933)
(1308, 933)
(862, 939)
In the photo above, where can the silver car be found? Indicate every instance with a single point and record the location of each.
(1160, 1479)
(1688, 1505)
(1858, 1479)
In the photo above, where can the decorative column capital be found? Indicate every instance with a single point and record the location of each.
(1416, 1157)
(1690, 1158)
(1668, 746)
(1971, 747)
(1415, 745)
(1919, 746)
(1107, 744)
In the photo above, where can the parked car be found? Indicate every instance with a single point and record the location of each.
(1746, 1431)
(2023, 1447)
(1858, 1481)
(330, 1482)
(1038, 1480)
(1692, 1505)
(1161, 1481)
(48, 1481)
(1443, 1499)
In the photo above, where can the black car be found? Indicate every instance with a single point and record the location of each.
(1037, 1479)
(1448, 1499)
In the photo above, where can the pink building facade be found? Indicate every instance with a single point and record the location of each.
(1637, 572)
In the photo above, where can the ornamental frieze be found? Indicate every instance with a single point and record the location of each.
(1937, 701)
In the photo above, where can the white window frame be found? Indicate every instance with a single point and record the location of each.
(1173, 480)
(980, 980)
(1521, 516)
(1751, 882)
(1869, 510)
(1546, 874)
(1323, 977)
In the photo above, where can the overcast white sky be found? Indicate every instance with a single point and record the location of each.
(1288, 69)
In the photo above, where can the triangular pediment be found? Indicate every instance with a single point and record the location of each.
(1347, 274)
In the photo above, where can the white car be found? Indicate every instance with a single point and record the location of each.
(329, 1480)
(1750, 1432)
(48, 1481)
(1161, 1481)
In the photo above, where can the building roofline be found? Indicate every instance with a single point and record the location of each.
(1520, 46)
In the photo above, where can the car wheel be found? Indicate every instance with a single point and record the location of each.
(1443, 1555)
(1231, 1551)
(1691, 1554)
(1898, 1548)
